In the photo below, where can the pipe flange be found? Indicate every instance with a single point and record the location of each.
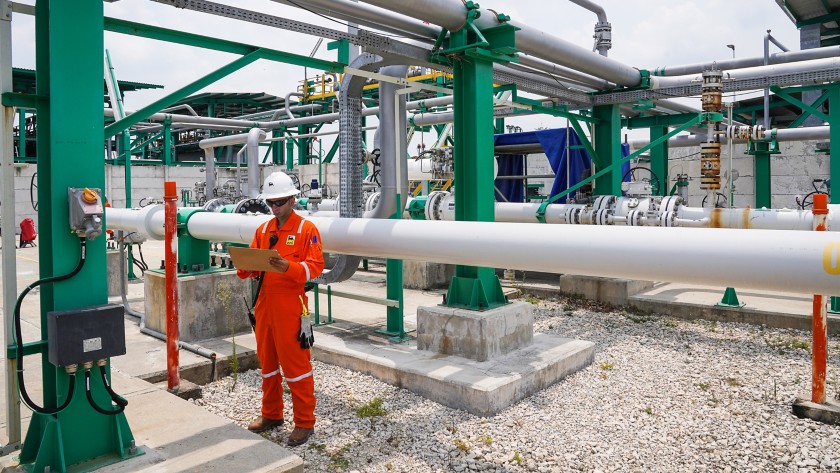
(371, 201)
(432, 209)
(603, 217)
(668, 219)
(572, 216)
(634, 218)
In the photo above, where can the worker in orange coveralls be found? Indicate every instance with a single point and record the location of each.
(283, 334)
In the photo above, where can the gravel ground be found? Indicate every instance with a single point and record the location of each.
(662, 395)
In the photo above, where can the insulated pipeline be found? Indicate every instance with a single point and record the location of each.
(746, 259)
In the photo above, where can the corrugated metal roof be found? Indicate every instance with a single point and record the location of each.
(23, 81)
(808, 12)
(232, 104)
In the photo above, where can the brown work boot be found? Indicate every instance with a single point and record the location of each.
(299, 436)
(261, 423)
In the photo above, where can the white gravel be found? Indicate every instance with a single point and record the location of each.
(662, 395)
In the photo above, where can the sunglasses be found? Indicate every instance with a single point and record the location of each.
(279, 202)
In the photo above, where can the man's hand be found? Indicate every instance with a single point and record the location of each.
(279, 264)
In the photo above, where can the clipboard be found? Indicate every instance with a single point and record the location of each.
(252, 259)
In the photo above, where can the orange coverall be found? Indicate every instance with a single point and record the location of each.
(278, 311)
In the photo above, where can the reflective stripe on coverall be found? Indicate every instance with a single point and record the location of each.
(278, 311)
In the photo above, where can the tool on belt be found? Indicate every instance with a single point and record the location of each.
(250, 309)
(305, 337)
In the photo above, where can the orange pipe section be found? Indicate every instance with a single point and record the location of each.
(170, 199)
(819, 356)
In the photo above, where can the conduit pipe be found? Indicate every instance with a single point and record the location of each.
(767, 39)
(390, 139)
(452, 14)
(689, 217)
(201, 351)
(748, 259)
(252, 140)
(759, 72)
(603, 29)
(286, 103)
(741, 63)
(784, 134)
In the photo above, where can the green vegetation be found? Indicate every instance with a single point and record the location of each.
(703, 386)
(606, 365)
(462, 445)
(371, 409)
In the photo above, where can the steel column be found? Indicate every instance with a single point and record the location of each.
(762, 175)
(9, 279)
(474, 287)
(607, 139)
(834, 137)
(659, 158)
(69, 45)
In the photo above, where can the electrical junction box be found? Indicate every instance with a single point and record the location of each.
(86, 211)
(87, 334)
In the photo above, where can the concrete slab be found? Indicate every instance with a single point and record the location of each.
(479, 336)
(480, 387)
(178, 436)
(609, 290)
(828, 413)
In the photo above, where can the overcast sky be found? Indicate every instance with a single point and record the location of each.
(646, 34)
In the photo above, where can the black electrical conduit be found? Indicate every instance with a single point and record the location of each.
(198, 350)
(116, 398)
(19, 339)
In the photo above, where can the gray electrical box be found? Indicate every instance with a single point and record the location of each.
(86, 211)
(86, 334)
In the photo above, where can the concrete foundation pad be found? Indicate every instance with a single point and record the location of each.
(828, 413)
(179, 436)
(610, 290)
(482, 388)
(426, 275)
(478, 335)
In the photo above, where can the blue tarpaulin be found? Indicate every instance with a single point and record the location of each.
(553, 142)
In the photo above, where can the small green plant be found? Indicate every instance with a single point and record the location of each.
(606, 365)
(486, 439)
(713, 326)
(389, 466)
(733, 382)
(339, 461)
(287, 390)
(648, 410)
(517, 458)
(321, 447)
(669, 323)
(532, 299)
(790, 344)
(703, 386)
(372, 409)
(462, 445)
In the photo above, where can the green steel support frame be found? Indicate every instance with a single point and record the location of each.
(475, 288)
(659, 158)
(607, 138)
(69, 45)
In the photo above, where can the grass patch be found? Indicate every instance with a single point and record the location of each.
(372, 409)
(733, 382)
(462, 445)
(606, 365)
(648, 410)
(517, 458)
(531, 299)
(790, 343)
(486, 439)
(703, 386)
(669, 323)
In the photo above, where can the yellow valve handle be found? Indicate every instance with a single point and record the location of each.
(89, 196)
(304, 312)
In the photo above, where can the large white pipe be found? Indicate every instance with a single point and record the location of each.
(452, 14)
(759, 72)
(800, 262)
(785, 134)
(721, 257)
(739, 63)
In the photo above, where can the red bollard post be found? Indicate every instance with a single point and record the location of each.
(170, 198)
(819, 357)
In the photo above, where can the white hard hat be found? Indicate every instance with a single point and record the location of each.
(278, 185)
